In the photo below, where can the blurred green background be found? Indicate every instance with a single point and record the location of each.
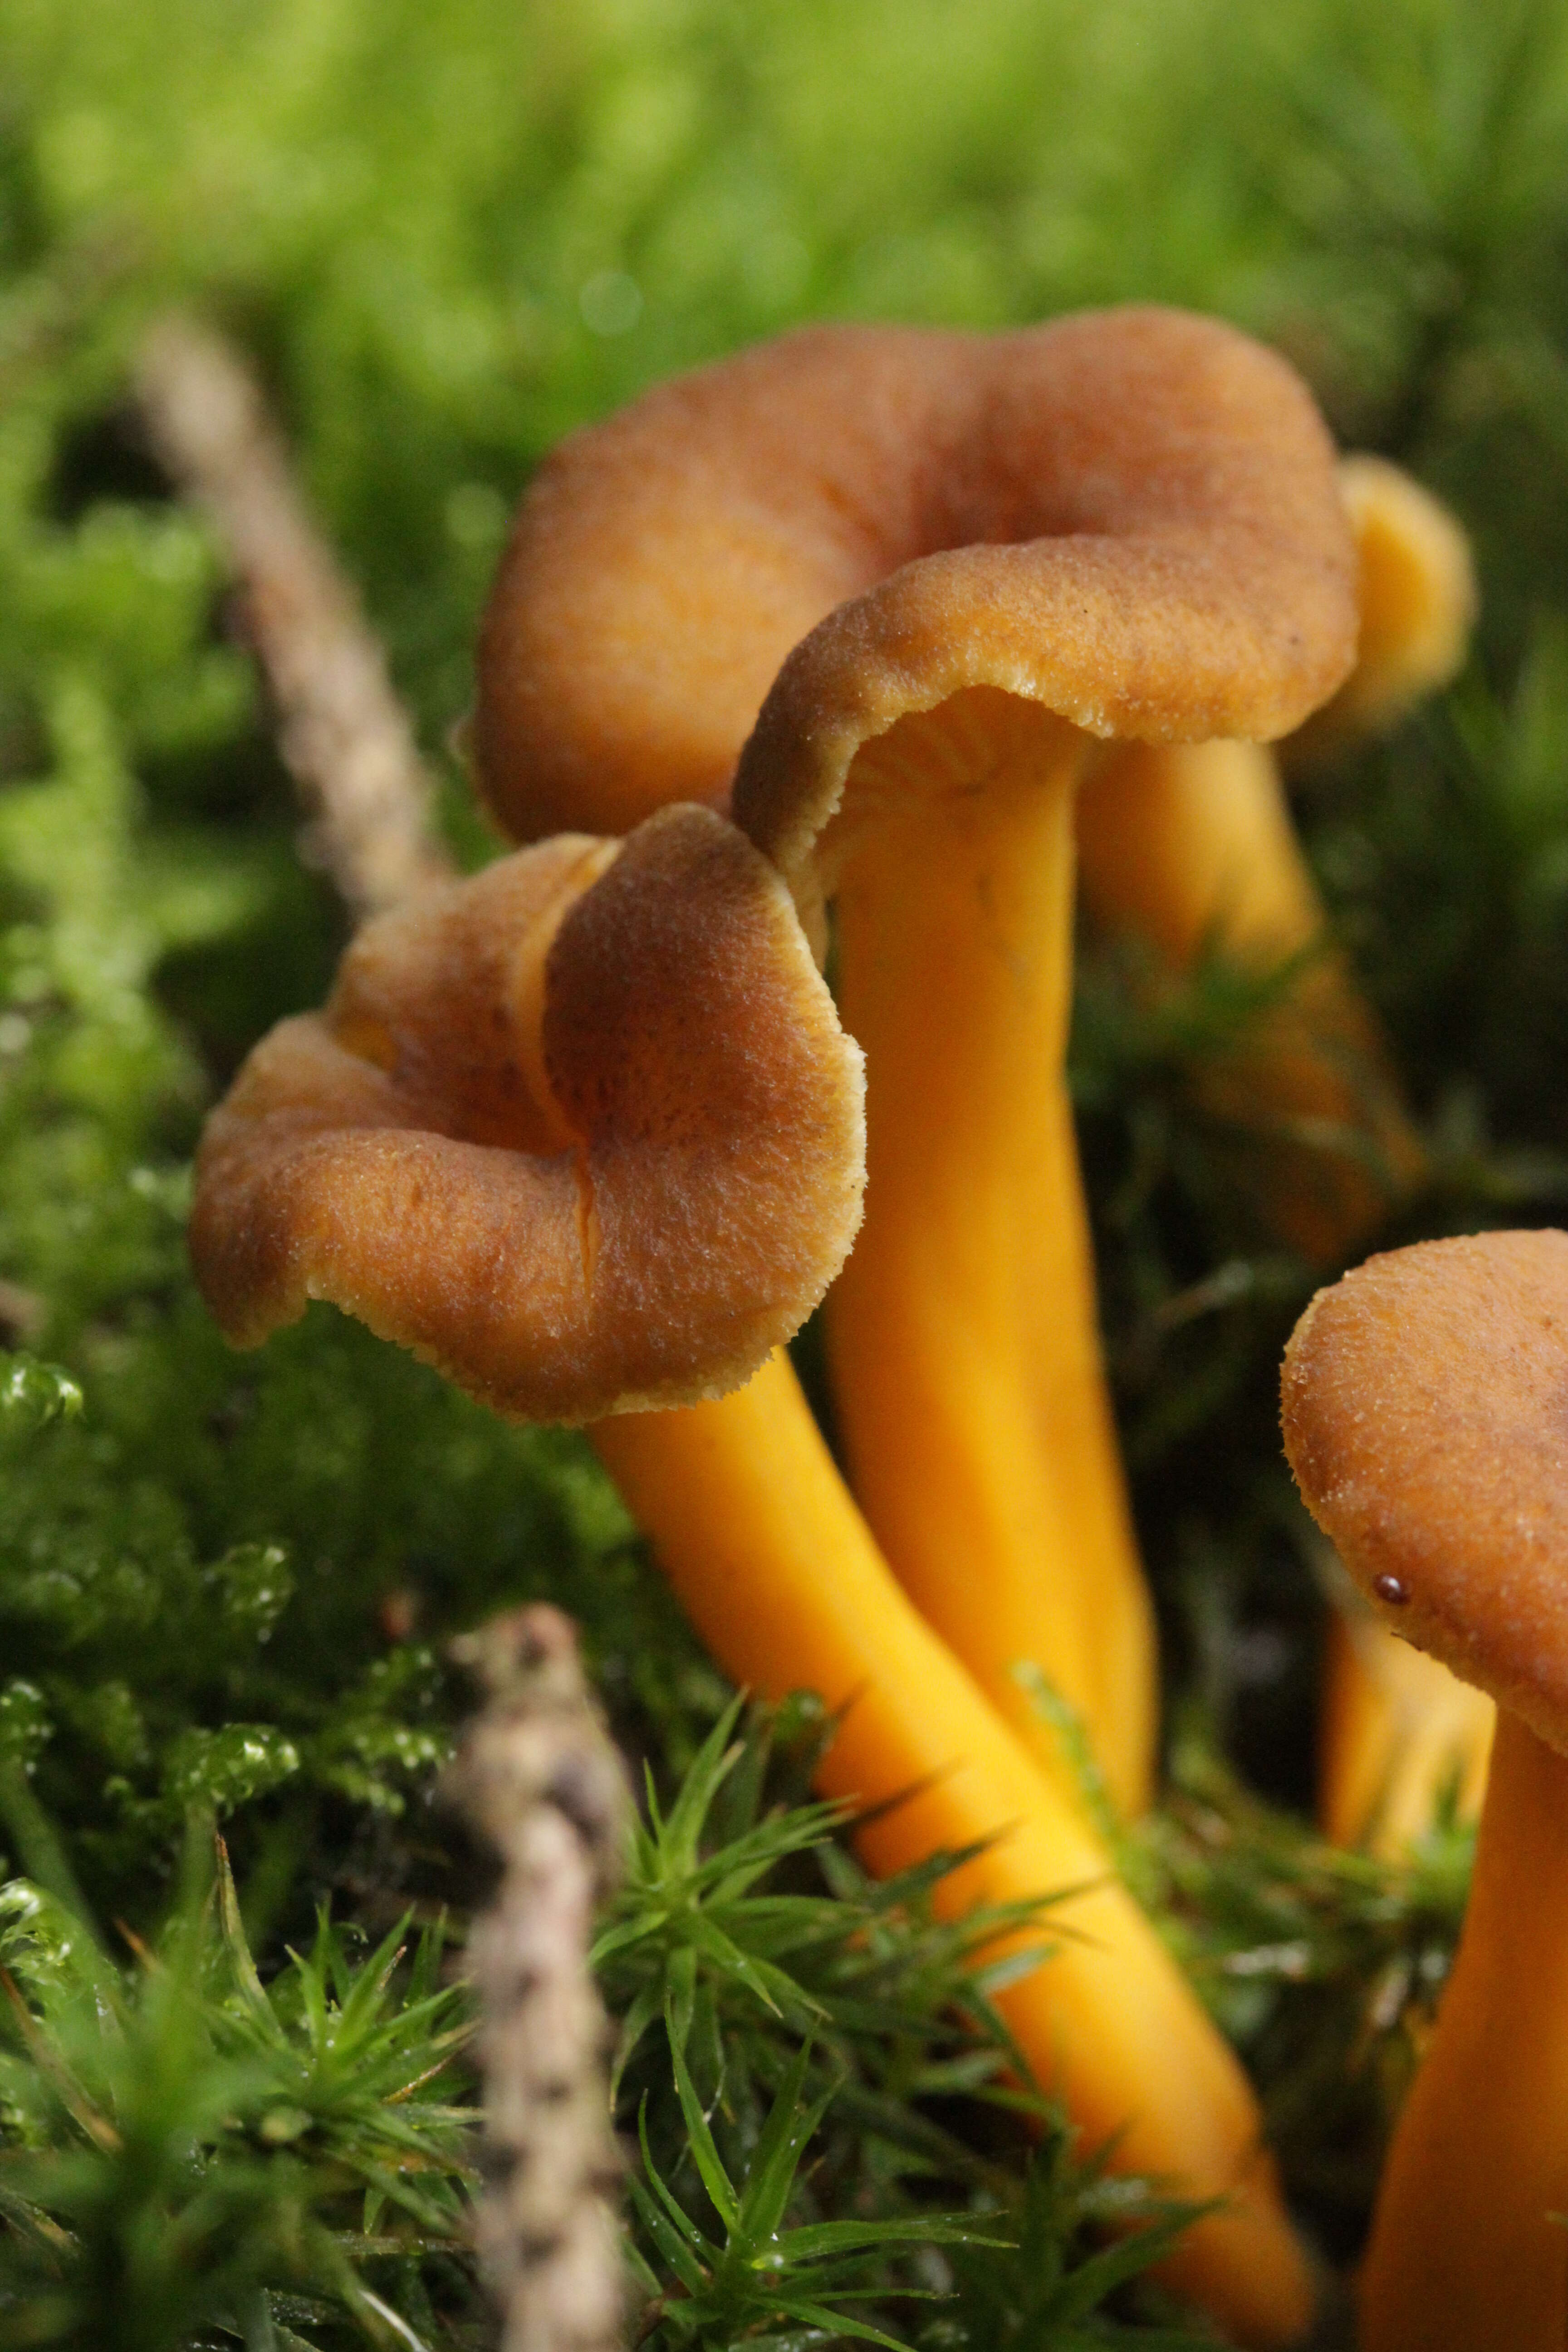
(443, 234)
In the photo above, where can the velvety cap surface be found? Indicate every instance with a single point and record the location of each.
(1426, 1416)
(583, 1130)
(1131, 516)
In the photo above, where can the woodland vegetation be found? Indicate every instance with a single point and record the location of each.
(236, 2101)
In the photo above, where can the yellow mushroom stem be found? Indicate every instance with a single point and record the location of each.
(1469, 2253)
(1190, 847)
(782, 1579)
(1398, 1733)
(963, 1333)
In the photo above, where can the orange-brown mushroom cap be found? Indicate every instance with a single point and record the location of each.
(1425, 1417)
(582, 1130)
(1131, 516)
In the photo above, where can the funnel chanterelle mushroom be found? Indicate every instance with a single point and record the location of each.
(1123, 524)
(582, 1130)
(1425, 1413)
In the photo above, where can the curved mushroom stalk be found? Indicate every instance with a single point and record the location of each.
(780, 1576)
(1423, 1415)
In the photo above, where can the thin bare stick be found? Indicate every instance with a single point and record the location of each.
(536, 1775)
(342, 731)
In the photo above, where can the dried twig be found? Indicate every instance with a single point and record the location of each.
(537, 1776)
(342, 731)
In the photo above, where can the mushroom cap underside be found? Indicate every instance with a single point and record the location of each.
(624, 1201)
(1425, 1417)
(1131, 516)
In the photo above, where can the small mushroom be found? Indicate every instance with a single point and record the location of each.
(582, 1130)
(1190, 846)
(989, 555)
(1416, 591)
(1426, 1415)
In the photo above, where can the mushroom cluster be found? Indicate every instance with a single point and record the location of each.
(943, 574)
(860, 632)
(994, 598)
